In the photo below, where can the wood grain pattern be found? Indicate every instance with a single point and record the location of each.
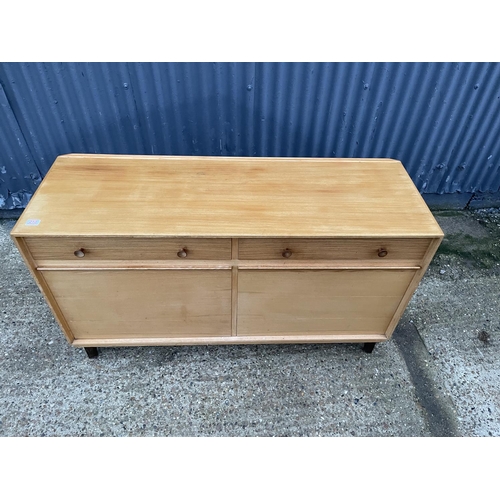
(131, 215)
(325, 264)
(63, 248)
(223, 264)
(304, 338)
(410, 250)
(137, 303)
(109, 195)
(284, 302)
(133, 264)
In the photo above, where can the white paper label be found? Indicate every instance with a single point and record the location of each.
(32, 222)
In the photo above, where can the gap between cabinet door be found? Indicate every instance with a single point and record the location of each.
(234, 287)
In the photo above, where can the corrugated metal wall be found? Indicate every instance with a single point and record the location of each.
(442, 120)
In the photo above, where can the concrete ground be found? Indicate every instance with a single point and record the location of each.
(438, 376)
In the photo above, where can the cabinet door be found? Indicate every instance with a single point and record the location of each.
(294, 302)
(111, 304)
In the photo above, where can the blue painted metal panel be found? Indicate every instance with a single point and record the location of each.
(442, 120)
(194, 109)
(19, 174)
(80, 107)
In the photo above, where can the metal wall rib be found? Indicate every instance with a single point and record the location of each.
(442, 120)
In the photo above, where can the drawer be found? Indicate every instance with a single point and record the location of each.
(64, 248)
(376, 249)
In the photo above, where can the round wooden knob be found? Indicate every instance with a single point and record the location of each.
(182, 253)
(80, 253)
(382, 252)
(287, 253)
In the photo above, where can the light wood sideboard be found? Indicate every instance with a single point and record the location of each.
(173, 250)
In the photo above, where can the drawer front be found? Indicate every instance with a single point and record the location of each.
(84, 249)
(302, 302)
(377, 250)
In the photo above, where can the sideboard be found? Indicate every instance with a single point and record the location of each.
(173, 250)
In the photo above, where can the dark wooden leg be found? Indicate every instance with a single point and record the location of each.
(91, 352)
(369, 346)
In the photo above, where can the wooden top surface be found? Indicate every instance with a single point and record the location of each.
(226, 197)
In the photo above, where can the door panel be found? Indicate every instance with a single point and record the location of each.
(302, 301)
(143, 303)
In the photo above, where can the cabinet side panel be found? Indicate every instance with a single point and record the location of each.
(433, 246)
(44, 288)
